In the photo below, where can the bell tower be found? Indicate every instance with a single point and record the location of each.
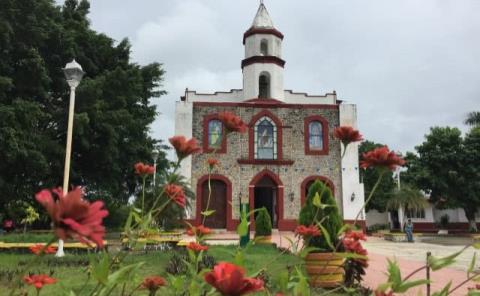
(263, 65)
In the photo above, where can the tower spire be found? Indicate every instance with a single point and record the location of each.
(262, 18)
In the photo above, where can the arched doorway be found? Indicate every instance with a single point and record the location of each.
(266, 191)
(220, 201)
(265, 196)
(309, 181)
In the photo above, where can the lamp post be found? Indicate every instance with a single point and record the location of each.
(155, 154)
(73, 73)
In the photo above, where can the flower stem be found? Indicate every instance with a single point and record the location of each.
(370, 196)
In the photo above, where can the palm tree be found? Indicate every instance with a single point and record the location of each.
(473, 118)
(408, 198)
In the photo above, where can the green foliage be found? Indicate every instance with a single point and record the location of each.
(408, 198)
(113, 106)
(473, 118)
(369, 176)
(448, 167)
(263, 223)
(328, 216)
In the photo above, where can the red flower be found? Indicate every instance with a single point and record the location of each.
(200, 230)
(175, 193)
(183, 147)
(229, 280)
(351, 242)
(73, 216)
(304, 231)
(144, 169)
(153, 283)
(381, 157)
(232, 122)
(37, 249)
(212, 162)
(196, 247)
(39, 280)
(347, 135)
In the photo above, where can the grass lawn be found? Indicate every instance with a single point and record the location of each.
(72, 272)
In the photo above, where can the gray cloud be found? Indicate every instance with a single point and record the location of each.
(407, 64)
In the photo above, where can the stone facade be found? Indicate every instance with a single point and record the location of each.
(294, 166)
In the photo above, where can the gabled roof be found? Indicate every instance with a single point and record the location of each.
(262, 18)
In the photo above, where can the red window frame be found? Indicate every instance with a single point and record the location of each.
(205, 142)
(324, 123)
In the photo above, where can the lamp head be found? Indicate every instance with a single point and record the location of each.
(74, 73)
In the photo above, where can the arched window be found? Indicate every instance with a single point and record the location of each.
(264, 47)
(315, 140)
(265, 145)
(215, 133)
(264, 85)
(316, 135)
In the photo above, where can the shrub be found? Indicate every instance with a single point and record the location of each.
(263, 223)
(329, 216)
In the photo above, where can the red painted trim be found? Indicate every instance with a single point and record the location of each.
(206, 148)
(324, 123)
(360, 223)
(263, 60)
(303, 186)
(264, 105)
(253, 31)
(265, 161)
(203, 179)
(287, 225)
(251, 194)
(251, 134)
(264, 101)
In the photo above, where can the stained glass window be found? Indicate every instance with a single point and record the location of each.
(265, 139)
(214, 133)
(315, 130)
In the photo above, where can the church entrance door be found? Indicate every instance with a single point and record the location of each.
(218, 203)
(265, 195)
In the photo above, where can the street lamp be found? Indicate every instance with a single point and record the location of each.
(74, 73)
(155, 154)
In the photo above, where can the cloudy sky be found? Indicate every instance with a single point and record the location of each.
(407, 64)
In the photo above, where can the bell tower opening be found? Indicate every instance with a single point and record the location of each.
(264, 85)
(264, 47)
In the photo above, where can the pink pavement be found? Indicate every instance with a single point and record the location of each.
(376, 275)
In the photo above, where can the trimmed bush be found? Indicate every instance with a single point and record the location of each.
(330, 216)
(263, 223)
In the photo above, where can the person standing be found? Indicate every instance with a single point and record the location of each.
(408, 228)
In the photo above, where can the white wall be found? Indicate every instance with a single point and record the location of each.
(183, 127)
(350, 169)
(251, 74)
(375, 217)
(252, 45)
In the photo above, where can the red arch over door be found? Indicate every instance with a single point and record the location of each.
(251, 195)
(309, 179)
(199, 197)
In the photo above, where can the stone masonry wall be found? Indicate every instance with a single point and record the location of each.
(292, 176)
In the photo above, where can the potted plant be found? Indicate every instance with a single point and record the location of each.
(320, 224)
(443, 224)
(263, 226)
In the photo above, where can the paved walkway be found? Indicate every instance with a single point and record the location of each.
(410, 257)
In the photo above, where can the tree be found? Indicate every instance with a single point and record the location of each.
(473, 118)
(408, 198)
(369, 176)
(113, 107)
(447, 168)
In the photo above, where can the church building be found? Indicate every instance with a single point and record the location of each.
(289, 143)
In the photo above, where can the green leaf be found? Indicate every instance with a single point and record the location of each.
(444, 291)
(473, 292)
(344, 228)
(304, 252)
(394, 274)
(349, 255)
(242, 228)
(317, 200)
(404, 286)
(302, 288)
(100, 269)
(122, 275)
(471, 267)
(439, 263)
(208, 213)
(239, 259)
(327, 238)
(476, 245)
